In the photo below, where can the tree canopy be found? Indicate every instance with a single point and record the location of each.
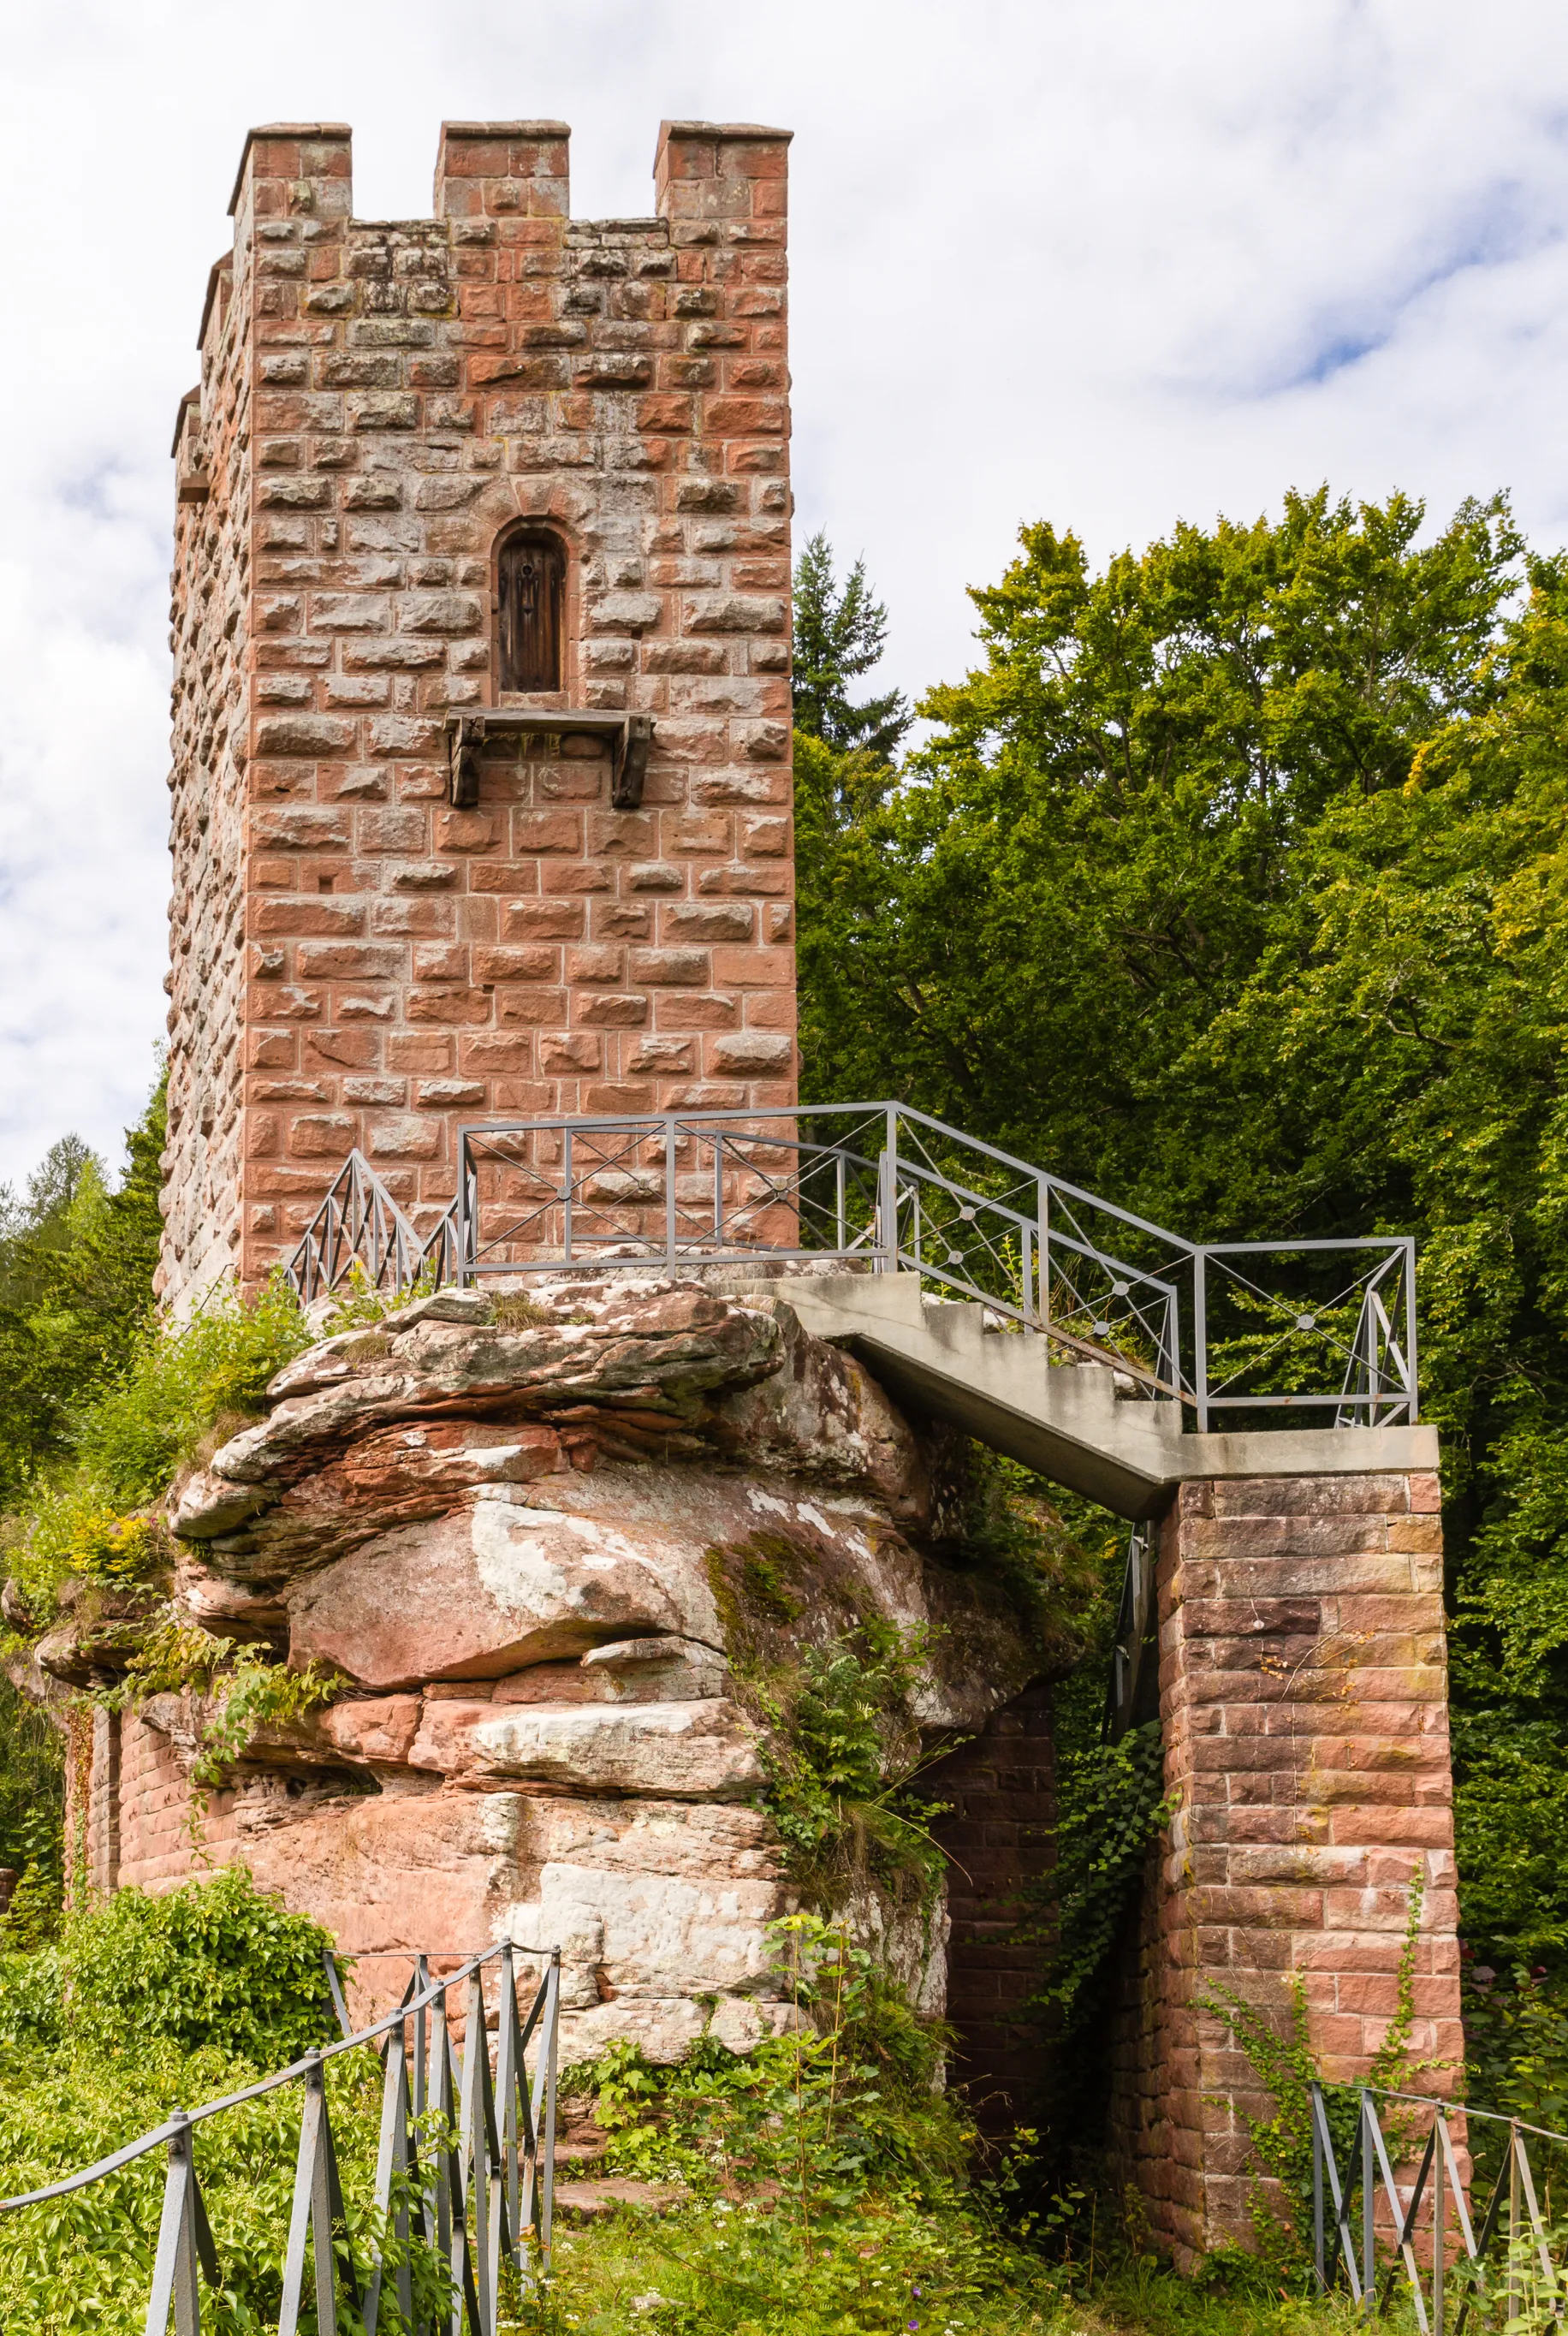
(1232, 884)
(76, 1265)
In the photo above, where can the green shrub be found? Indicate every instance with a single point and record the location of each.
(840, 1746)
(181, 1381)
(31, 1783)
(183, 1378)
(217, 1962)
(85, 2263)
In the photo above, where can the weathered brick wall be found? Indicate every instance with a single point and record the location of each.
(162, 1839)
(1304, 1693)
(379, 401)
(210, 638)
(1001, 1792)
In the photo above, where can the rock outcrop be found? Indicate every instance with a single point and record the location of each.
(531, 1535)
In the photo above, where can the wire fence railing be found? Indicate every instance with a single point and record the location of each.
(1324, 1330)
(1373, 2228)
(465, 2163)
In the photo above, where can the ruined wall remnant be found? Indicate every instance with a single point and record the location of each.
(356, 959)
(539, 1549)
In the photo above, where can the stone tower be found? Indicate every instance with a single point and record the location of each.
(443, 478)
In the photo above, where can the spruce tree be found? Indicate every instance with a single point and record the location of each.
(839, 632)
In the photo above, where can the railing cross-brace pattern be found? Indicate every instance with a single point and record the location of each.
(1322, 1327)
(488, 2191)
(1439, 2182)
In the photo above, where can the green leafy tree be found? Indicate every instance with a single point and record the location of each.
(840, 633)
(76, 1266)
(1233, 885)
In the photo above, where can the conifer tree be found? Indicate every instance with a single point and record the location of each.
(839, 632)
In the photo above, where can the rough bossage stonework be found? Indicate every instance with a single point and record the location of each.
(1303, 1687)
(525, 1548)
(353, 961)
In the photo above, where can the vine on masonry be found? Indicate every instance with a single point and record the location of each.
(1283, 2061)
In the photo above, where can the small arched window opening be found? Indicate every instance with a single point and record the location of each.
(532, 593)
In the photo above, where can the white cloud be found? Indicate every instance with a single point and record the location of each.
(1100, 261)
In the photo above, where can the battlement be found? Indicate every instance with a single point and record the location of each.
(495, 461)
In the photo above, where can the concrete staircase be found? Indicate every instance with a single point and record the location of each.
(1084, 1424)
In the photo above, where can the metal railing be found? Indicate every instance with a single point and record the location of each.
(1321, 1328)
(1433, 2205)
(483, 2192)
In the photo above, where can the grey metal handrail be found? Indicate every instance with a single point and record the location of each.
(1440, 2184)
(488, 2191)
(1324, 1328)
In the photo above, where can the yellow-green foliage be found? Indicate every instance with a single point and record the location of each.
(128, 1441)
(110, 1548)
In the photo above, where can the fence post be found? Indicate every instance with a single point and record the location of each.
(1439, 2217)
(1513, 2308)
(1369, 2208)
(669, 1217)
(1200, 1338)
(174, 2269)
(548, 2046)
(1316, 2098)
(460, 1219)
(888, 1196)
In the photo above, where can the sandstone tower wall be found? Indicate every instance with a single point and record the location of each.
(356, 958)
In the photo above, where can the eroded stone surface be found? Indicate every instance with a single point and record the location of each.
(529, 1551)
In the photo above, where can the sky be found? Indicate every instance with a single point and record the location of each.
(1105, 262)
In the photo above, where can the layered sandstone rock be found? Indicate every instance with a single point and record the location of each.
(530, 1546)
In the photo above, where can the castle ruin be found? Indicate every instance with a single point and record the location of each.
(481, 811)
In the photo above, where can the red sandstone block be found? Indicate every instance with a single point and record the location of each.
(410, 918)
(547, 830)
(357, 960)
(612, 1012)
(486, 1051)
(623, 832)
(522, 1098)
(453, 1006)
(617, 1096)
(528, 1007)
(685, 968)
(1266, 1497)
(574, 876)
(539, 962)
(684, 921)
(754, 968)
(358, 1050)
(567, 1052)
(543, 919)
(298, 917)
(602, 962)
(418, 1050)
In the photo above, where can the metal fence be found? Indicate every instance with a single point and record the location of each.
(1349, 2201)
(483, 2190)
(1323, 1329)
